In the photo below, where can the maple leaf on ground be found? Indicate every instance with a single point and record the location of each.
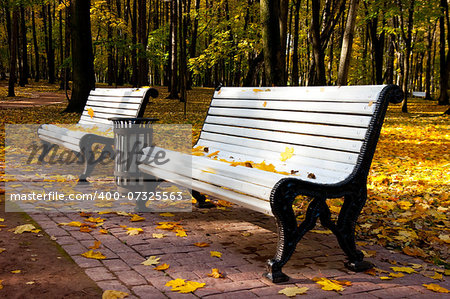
(153, 260)
(167, 214)
(188, 287)
(396, 275)
(1, 286)
(162, 267)
(328, 285)
(175, 283)
(132, 231)
(215, 254)
(158, 236)
(201, 244)
(16, 271)
(85, 229)
(215, 273)
(96, 245)
(403, 269)
(436, 288)
(24, 228)
(136, 217)
(103, 231)
(95, 220)
(293, 291)
(112, 294)
(437, 276)
(91, 254)
(72, 223)
(2, 249)
(180, 233)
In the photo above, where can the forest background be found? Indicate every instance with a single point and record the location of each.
(186, 43)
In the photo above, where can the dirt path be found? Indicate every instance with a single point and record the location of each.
(46, 271)
(40, 99)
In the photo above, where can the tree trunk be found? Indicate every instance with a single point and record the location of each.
(36, 49)
(193, 45)
(318, 54)
(110, 57)
(407, 55)
(82, 55)
(24, 71)
(444, 62)
(51, 52)
(174, 50)
(12, 51)
(67, 42)
(134, 65)
(295, 45)
(347, 43)
(273, 61)
(283, 20)
(142, 39)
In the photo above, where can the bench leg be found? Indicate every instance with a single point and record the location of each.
(90, 162)
(289, 233)
(201, 201)
(345, 230)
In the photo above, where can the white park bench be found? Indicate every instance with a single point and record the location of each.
(419, 94)
(331, 133)
(102, 104)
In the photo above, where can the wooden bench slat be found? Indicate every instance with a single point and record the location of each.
(330, 93)
(330, 155)
(62, 137)
(293, 127)
(110, 111)
(218, 192)
(120, 92)
(316, 118)
(327, 170)
(331, 107)
(100, 98)
(99, 119)
(68, 145)
(297, 139)
(116, 105)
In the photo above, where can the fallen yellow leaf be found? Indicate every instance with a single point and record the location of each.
(112, 294)
(162, 267)
(436, 288)
(385, 277)
(403, 269)
(95, 220)
(215, 273)
(1, 286)
(153, 260)
(91, 112)
(24, 228)
(328, 285)
(16, 271)
(437, 276)
(293, 291)
(188, 287)
(201, 244)
(215, 254)
(91, 254)
(167, 214)
(132, 231)
(72, 223)
(103, 231)
(180, 233)
(158, 236)
(396, 275)
(136, 218)
(287, 154)
(2, 249)
(96, 245)
(175, 283)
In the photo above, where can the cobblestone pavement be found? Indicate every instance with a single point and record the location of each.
(245, 238)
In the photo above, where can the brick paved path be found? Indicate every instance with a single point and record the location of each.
(40, 99)
(243, 259)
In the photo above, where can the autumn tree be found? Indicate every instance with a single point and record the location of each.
(82, 56)
(444, 61)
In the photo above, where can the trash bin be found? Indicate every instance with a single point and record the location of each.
(131, 135)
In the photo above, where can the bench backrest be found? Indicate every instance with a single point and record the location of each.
(104, 103)
(332, 130)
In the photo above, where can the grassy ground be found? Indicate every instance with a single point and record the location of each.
(408, 206)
